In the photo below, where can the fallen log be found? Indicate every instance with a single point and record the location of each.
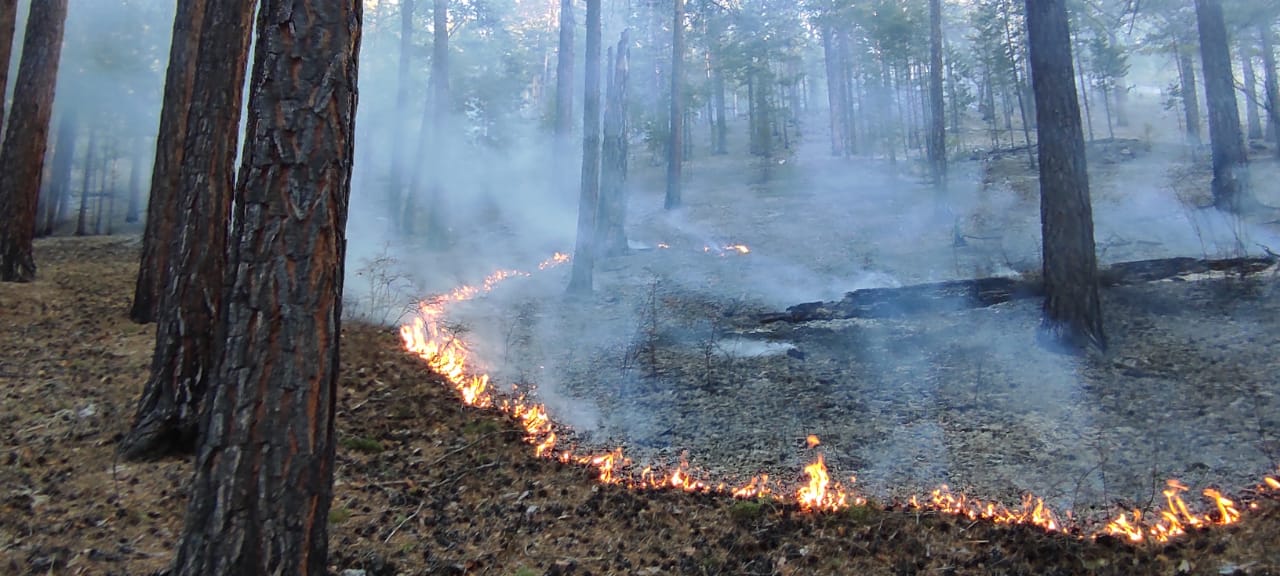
(983, 292)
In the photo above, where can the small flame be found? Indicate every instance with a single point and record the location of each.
(1176, 518)
(813, 441)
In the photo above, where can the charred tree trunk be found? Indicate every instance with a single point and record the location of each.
(396, 200)
(1253, 120)
(563, 147)
(263, 485)
(26, 135)
(584, 248)
(161, 226)
(1272, 90)
(1230, 165)
(82, 215)
(135, 181)
(1072, 311)
(937, 108)
(675, 144)
(1190, 96)
(611, 231)
(60, 185)
(186, 341)
(8, 24)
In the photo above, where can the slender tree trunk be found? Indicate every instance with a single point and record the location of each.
(1072, 311)
(1272, 85)
(8, 24)
(675, 144)
(937, 108)
(109, 187)
(1252, 119)
(399, 206)
(60, 186)
(263, 485)
(834, 83)
(850, 90)
(584, 248)
(82, 227)
(160, 228)
(562, 165)
(1230, 164)
(102, 187)
(1084, 88)
(611, 230)
(722, 123)
(135, 181)
(185, 355)
(441, 131)
(1106, 111)
(1190, 96)
(25, 139)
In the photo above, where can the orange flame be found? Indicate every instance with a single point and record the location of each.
(1176, 518)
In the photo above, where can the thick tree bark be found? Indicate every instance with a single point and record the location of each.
(160, 228)
(1230, 164)
(1072, 311)
(135, 181)
(183, 363)
(1190, 96)
(611, 230)
(8, 24)
(60, 184)
(1253, 121)
(25, 139)
(1272, 90)
(580, 279)
(562, 148)
(937, 108)
(675, 142)
(82, 215)
(395, 199)
(263, 480)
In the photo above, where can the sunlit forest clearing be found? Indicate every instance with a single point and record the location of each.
(376, 287)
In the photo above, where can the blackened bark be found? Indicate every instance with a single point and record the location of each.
(1072, 311)
(185, 355)
(611, 227)
(675, 143)
(263, 480)
(395, 182)
(25, 139)
(1190, 96)
(584, 247)
(1253, 121)
(937, 108)
(60, 184)
(82, 214)
(562, 167)
(1230, 165)
(1272, 90)
(8, 23)
(135, 181)
(160, 228)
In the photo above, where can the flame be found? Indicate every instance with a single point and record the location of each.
(447, 354)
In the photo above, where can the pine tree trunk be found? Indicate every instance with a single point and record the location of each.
(396, 194)
(580, 279)
(187, 343)
(834, 84)
(562, 165)
(263, 485)
(1272, 89)
(60, 176)
(441, 131)
(102, 188)
(135, 181)
(25, 139)
(82, 227)
(1084, 88)
(937, 108)
(1252, 119)
(160, 228)
(8, 25)
(1072, 311)
(611, 233)
(1190, 96)
(675, 143)
(1230, 165)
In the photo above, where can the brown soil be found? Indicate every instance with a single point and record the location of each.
(427, 486)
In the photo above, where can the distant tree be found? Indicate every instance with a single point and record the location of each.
(1109, 66)
(8, 24)
(90, 152)
(395, 180)
(584, 248)
(162, 211)
(135, 180)
(1253, 120)
(60, 176)
(263, 484)
(675, 142)
(187, 341)
(1272, 85)
(611, 234)
(937, 139)
(25, 138)
(434, 135)
(1072, 310)
(1230, 164)
(1190, 95)
(561, 164)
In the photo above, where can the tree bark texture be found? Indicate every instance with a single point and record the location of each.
(1272, 85)
(580, 279)
(1072, 311)
(8, 24)
(937, 108)
(611, 230)
(1230, 165)
(160, 228)
(25, 138)
(185, 355)
(263, 480)
(1190, 96)
(675, 144)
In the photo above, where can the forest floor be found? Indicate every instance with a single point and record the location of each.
(426, 485)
